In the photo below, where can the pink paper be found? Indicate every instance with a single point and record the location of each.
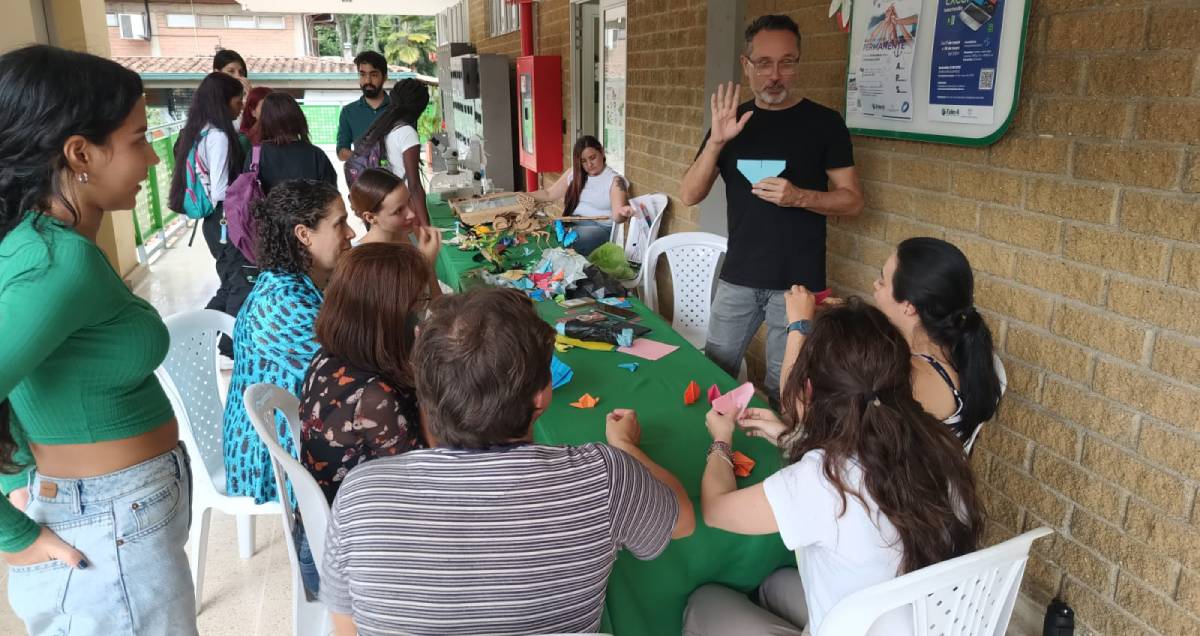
(713, 393)
(735, 400)
(648, 349)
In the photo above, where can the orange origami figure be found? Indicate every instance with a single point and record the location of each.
(585, 402)
(692, 393)
(742, 465)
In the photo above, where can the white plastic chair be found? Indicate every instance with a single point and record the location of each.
(693, 257)
(1003, 375)
(262, 400)
(640, 235)
(188, 375)
(972, 595)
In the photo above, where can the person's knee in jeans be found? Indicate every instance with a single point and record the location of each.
(734, 318)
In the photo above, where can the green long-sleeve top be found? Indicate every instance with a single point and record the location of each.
(77, 352)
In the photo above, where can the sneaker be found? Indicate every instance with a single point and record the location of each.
(224, 363)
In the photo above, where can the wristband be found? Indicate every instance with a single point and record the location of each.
(722, 450)
(802, 326)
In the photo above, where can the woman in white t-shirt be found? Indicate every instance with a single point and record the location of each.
(590, 189)
(396, 129)
(875, 488)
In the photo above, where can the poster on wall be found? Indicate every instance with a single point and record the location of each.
(966, 53)
(883, 79)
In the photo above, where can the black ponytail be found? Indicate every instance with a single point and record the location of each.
(936, 278)
(408, 99)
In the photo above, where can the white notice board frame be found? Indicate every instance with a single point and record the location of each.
(1011, 58)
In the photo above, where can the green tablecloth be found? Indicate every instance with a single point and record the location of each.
(648, 597)
(453, 264)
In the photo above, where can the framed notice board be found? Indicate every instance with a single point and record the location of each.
(945, 71)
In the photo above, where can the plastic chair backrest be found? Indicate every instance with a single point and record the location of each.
(1003, 375)
(693, 257)
(189, 377)
(641, 235)
(262, 401)
(971, 595)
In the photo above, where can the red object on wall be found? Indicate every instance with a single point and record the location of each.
(540, 112)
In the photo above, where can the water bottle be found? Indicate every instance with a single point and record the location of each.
(1060, 619)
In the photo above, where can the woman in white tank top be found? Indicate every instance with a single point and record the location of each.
(597, 191)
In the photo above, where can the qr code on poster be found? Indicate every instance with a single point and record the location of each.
(987, 78)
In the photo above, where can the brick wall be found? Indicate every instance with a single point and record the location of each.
(1083, 225)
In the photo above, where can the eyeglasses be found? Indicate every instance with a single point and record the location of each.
(764, 66)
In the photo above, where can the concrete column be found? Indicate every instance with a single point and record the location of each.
(24, 23)
(724, 45)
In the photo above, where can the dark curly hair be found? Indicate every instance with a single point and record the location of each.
(408, 100)
(291, 203)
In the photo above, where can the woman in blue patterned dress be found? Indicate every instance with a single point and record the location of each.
(302, 231)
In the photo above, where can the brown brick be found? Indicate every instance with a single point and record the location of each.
(867, 224)
(1185, 268)
(843, 244)
(1042, 575)
(1191, 173)
(1082, 117)
(1023, 378)
(1012, 301)
(1048, 352)
(1168, 307)
(1164, 121)
(919, 173)
(1177, 358)
(1174, 27)
(1090, 411)
(1061, 277)
(900, 228)
(1034, 231)
(1143, 75)
(872, 165)
(1111, 29)
(1078, 485)
(1070, 200)
(1083, 564)
(1099, 613)
(1146, 166)
(1189, 592)
(1171, 449)
(1174, 403)
(1038, 426)
(946, 211)
(852, 274)
(988, 185)
(1100, 330)
(985, 256)
(999, 441)
(1166, 216)
(1113, 249)
(1164, 491)
(1163, 534)
(1019, 486)
(1132, 556)
(874, 253)
(1155, 609)
(886, 197)
(1001, 509)
(1031, 154)
(1051, 75)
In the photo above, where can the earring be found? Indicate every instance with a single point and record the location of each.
(82, 176)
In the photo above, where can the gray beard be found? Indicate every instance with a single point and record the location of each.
(773, 99)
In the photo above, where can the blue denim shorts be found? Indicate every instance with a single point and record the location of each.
(131, 526)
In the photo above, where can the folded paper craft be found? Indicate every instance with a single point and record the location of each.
(756, 170)
(713, 393)
(585, 402)
(734, 401)
(629, 366)
(742, 465)
(691, 393)
(560, 372)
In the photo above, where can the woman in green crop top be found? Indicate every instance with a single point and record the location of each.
(99, 489)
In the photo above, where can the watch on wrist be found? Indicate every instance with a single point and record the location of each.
(802, 326)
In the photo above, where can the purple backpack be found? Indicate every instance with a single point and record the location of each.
(239, 198)
(364, 158)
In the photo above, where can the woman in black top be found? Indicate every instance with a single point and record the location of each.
(286, 152)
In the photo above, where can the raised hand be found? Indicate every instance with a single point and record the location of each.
(429, 242)
(725, 122)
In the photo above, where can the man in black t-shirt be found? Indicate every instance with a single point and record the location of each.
(787, 164)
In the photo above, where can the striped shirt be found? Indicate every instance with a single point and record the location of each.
(509, 540)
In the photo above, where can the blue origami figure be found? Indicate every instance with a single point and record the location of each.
(629, 366)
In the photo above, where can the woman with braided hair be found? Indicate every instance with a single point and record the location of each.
(396, 129)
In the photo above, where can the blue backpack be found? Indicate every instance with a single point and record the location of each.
(196, 204)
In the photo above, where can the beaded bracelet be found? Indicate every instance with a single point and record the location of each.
(722, 450)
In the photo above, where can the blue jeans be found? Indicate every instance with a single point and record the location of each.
(131, 526)
(737, 313)
(309, 574)
(592, 234)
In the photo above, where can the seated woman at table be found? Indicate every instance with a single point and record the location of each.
(849, 503)
(489, 531)
(381, 200)
(302, 231)
(927, 289)
(590, 188)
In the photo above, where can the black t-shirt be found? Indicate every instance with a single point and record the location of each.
(771, 247)
(298, 160)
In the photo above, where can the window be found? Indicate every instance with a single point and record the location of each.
(133, 26)
(212, 21)
(111, 19)
(452, 25)
(241, 22)
(503, 17)
(271, 22)
(181, 20)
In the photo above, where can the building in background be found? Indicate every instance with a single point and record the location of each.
(199, 28)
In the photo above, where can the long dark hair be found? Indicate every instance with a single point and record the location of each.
(281, 121)
(406, 102)
(579, 176)
(935, 277)
(862, 410)
(365, 319)
(210, 106)
(291, 203)
(47, 95)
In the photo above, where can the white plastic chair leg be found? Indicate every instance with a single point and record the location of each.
(245, 530)
(198, 551)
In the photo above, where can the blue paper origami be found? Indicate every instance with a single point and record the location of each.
(565, 238)
(560, 373)
(756, 170)
(625, 338)
(629, 366)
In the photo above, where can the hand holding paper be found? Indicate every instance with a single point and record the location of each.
(733, 402)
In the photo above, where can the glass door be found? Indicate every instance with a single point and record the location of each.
(614, 24)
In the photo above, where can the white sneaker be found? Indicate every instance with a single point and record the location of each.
(224, 363)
